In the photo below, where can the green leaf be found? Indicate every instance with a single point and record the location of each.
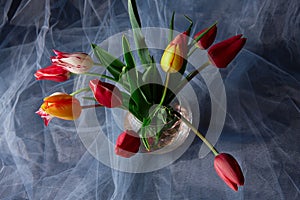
(151, 74)
(126, 99)
(138, 104)
(134, 12)
(191, 24)
(123, 79)
(171, 27)
(113, 65)
(152, 77)
(128, 57)
(130, 74)
(146, 122)
(139, 39)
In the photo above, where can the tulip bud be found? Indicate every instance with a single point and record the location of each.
(53, 73)
(207, 39)
(76, 63)
(229, 170)
(222, 53)
(175, 53)
(106, 94)
(59, 105)
(128, 144)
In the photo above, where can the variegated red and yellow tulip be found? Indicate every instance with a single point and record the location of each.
(106, 94)
(229, 170)
(128, 144)
(76, 63)
(222, 53)
(60, 105)
(52, 73)
(207, 39)
(175, 53)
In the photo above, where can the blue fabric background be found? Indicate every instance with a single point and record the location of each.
(263, 102)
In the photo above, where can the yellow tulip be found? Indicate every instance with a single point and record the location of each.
(175, 53)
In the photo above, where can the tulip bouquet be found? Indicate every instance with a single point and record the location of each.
(150, 102)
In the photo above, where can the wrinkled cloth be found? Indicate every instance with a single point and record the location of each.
(262, 123)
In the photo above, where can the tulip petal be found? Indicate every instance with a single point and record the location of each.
(45, 116)
(127, 144)
(207, 39)
(106, 94)
(231, 184)
(62, 106)
(229, 170)
(174, 54)
(222, 53)
(53, 73)
(77, 63)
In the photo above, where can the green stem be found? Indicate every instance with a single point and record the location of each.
(89, 98)
(97, 64)
(192, 51)
(153, 113)
(99, 75)
(91, 106)
(208, 144)
(191, 76)
(165, 89)
(79, 91)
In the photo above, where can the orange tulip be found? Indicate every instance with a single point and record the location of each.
(60, 105)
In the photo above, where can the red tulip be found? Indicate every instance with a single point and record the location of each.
(128, 144)
(208, 38)
(222, 53)
(106, 94)
(76, 63)
(175, 53)
(229, 170)
(53, 73)
(59, 105)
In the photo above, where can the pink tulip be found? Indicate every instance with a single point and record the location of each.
(229, 170)
(106, 94)
(222, 53)
(208, 38)
(76, 63)
(53, 73)
(128, 144)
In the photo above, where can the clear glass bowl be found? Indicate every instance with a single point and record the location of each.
(170, 138)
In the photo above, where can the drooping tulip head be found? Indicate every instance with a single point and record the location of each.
(207, 39)
(106, 94)
(60, 105)
(53, 73)
(229, 170)
(127, 144)
(76, 63)
(222, 53)
(175, 53)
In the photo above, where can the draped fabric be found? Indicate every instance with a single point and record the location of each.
(262, 116)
